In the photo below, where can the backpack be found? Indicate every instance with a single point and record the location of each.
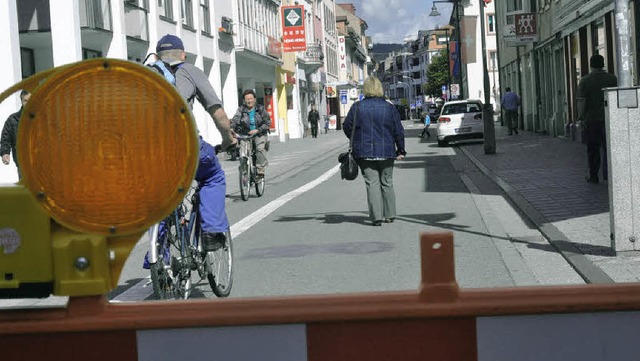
(163, 68)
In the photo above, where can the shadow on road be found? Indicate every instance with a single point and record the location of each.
(329, 218)
(303, 250)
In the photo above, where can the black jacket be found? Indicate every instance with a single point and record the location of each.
(240, 121)
(9, 136)
(313, 117)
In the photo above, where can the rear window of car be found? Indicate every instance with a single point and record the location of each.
(461, 108)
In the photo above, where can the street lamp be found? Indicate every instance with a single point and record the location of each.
(456, 60)
(487, 113)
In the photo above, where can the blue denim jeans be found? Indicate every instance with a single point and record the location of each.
(213, 188)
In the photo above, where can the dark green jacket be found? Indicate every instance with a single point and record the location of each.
(590, 88)
(10, 136)
(313, 117)
(240, 121)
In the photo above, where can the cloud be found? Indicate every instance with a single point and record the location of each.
(391, 21)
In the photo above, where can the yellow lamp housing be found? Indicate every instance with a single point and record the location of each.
(108, 148)
(26, 268)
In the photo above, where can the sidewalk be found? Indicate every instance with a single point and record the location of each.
(544, 177)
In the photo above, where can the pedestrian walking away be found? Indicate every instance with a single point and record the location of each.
(425, 130)
(192, 83)
(510, 103)
(378, 140)
(591, 114)
(314, 117)
(252, 118)
(9, 137)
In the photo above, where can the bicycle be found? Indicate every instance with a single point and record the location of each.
(176, 249)
(248, 174)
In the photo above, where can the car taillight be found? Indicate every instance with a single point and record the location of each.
(444, 120)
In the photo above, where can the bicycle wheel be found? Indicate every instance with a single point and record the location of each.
(163, 279)
(260, 182)
(245, 181)
(219, 265)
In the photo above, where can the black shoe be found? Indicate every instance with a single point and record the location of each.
(376, 223)
(389, 220)
(593, 180)
(212, 241)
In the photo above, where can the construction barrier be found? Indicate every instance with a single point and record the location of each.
(440, 322)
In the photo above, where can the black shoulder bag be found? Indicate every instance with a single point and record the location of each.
(348, 166)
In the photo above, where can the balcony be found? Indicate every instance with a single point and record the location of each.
(312, 59)
(136, 22)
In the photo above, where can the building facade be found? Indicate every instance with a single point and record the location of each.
(546, 72)
(238, 44)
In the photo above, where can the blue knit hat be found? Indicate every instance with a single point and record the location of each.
(169, 42)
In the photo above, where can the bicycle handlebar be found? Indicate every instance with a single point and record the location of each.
(245, 137)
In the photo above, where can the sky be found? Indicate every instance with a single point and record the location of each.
(391, 21)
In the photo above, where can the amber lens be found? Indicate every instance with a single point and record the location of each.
(107, 146)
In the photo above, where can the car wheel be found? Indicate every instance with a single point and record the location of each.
(442, 143)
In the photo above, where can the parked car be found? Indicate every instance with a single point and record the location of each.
(460, 119)
(434, 112)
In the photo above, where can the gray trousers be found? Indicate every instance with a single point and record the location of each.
(378, 178)
(261, 158)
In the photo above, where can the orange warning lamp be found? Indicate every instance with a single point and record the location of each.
(107, 147)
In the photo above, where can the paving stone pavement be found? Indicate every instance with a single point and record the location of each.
(544, 177)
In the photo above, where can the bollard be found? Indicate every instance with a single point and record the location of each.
(623, 150)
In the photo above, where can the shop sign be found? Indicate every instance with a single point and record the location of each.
(293, 28)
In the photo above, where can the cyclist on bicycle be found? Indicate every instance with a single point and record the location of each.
(252, 118)
(192, 83)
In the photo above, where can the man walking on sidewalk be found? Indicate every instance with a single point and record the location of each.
(591, 113)
(313, 118)
(510, 103)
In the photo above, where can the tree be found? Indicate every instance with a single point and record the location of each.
(437, 74)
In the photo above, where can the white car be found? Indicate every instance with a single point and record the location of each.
(460, 119)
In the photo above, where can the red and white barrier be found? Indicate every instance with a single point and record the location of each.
(441, 322)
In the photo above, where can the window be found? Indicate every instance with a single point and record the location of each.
(165, 9)
(187, 13)
(514, 5)
(206, 16)
(142, 4)
(90, 54)
(28, 62)
(493, 60)
(491, 24)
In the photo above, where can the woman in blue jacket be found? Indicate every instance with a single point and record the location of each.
(378, 141)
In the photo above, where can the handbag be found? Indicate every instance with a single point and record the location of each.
(348, 165)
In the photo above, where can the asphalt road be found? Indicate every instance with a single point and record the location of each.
(309, 233)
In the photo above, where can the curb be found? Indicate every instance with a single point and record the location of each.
(580, 263)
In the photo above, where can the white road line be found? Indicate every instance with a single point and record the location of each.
(255, 217)
(143, 289)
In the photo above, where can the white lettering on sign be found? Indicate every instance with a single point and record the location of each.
(9, 240)
(342, 54)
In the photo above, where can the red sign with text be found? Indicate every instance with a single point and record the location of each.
(294, 36)
(268, 104)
